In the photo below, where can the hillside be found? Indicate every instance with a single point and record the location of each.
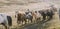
(10, 6)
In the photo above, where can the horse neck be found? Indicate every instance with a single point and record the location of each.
(33, 14)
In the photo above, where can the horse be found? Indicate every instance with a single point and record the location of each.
(28, 15)
(21, 18)
(52, 7)
(36, 16)
(5, 20)
(50, 14)
(43, 14)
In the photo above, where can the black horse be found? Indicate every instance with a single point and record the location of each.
(50, 14)
(47, 13)
(43, 14)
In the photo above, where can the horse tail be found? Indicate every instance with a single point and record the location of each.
(9, 20)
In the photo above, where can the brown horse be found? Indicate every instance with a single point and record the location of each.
(21, 18)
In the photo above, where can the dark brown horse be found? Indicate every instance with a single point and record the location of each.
(50, 14)
(47, 13)
(21, 18)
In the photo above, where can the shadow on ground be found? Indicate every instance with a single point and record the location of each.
(37, 25)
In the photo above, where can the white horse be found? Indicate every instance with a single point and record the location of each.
(5, 20)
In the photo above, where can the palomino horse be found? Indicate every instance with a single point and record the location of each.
(5, 20)
(36, 15)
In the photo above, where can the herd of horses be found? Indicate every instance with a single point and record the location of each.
(6, 20)
(30, 15)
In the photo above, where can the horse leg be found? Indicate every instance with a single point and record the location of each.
(38, 18)
(25, 21)
(28, 20)
(51, 16)
(44, 18)
(22, 22)
(5, 26)
(18, 22)
(34, 20)
(31, 20)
